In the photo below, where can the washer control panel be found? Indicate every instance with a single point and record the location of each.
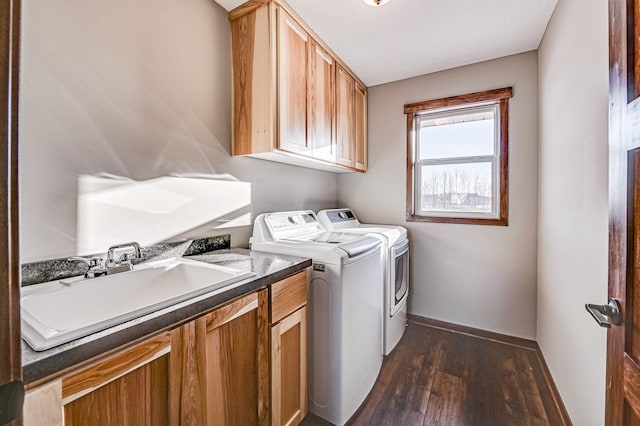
(342, 215)
(338, 219)
(291, 224)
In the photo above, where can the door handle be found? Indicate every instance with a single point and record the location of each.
(605, 315)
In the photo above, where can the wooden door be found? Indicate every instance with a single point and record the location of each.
(225, 355)
(345, 129)
(289, 369)
(360, 117)
(623, 342)
(11, 389)
(293, 45)
(320, 102)
(130, 388)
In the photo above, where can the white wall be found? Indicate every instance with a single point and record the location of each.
(480, 276)
(572, 247)
(138, 89)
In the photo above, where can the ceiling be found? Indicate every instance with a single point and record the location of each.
(406, 38)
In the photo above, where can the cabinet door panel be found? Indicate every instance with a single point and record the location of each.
(128, 388)
(188, 385)
(292, 79)
(236, 373)
(140, 397)
(345, 129)
(320, 102)
(253, 87)
(232, 371)
(225, 369)
(360, 127)
(289, 369)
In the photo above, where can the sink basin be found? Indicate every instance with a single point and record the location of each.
(65, 310)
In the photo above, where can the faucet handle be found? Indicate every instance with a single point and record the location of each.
(129, 257)
(94, 266)
(91, 262)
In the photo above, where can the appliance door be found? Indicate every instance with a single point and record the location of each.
(399, 283)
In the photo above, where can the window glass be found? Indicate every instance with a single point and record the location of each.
(457, 136)
(464, 187)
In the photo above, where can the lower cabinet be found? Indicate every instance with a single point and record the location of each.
(289, 350)
(289, 369)
(237, 365)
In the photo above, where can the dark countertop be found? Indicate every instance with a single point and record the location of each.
(269, 268)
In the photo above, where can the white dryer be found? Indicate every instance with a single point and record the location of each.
(395, 257)
(344, 307)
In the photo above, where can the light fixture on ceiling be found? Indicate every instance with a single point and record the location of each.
(375, 2)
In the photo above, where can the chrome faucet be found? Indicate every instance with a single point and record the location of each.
(124, 262)
(94, 266)
(111, 265)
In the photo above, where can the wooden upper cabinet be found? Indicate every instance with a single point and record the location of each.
(285, 83)
(345, 112)
(293, 48)
(360, 119)
(351, 121)
(320, 103)
(254, 82)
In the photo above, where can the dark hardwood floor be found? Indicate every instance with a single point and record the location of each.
(439, 377)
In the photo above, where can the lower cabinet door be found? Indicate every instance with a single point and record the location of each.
(222, 366)
(129, 388)
(289, 369)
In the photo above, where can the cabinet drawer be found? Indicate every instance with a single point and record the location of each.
(288, 295)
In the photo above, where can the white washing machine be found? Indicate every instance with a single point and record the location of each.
(395, 254)
(344, 307)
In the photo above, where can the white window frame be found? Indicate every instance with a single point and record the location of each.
(494, 160)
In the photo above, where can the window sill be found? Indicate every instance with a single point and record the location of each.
(461, 220)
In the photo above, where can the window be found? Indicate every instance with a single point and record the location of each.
(457, 159)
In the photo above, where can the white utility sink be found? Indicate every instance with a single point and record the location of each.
(61, 311)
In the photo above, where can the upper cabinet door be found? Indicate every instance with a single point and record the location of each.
(361, 127)
(293, 45)
(320, 103)
(345, 126)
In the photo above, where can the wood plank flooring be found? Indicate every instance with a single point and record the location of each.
(439, 377)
